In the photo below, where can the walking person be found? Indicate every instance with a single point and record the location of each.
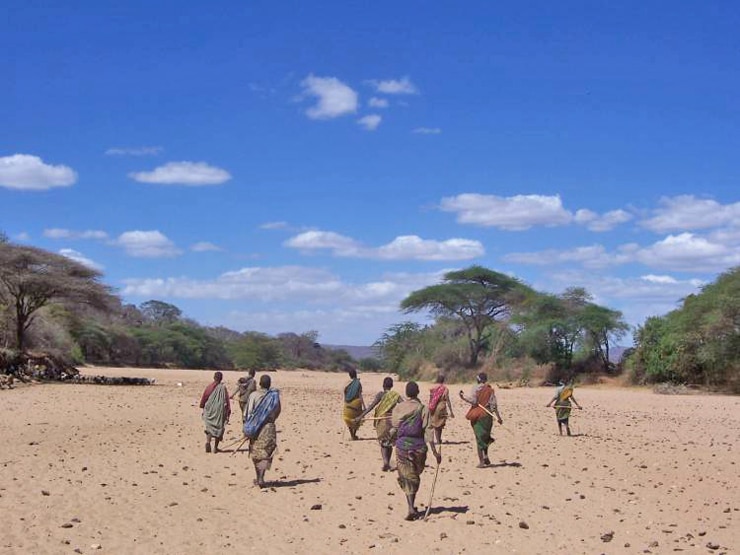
(410, 423)
(383, 404)
(440, 407)
(353, 403)
(263, 409)
(483, 405)
(563, 397)
(216, 411)
(245, 387)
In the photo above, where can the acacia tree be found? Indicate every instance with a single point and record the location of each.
(31, 278)
(555, 326)
(476, 296)
(160, 313)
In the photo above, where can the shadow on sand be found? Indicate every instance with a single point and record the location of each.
(292, 483)
(438, 510)
(505, 464)
(445, 442)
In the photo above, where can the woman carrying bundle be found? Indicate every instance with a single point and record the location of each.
(353, 403)
(383, 404)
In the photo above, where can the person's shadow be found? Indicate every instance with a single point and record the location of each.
(292, 483)
(505, 464)
(461, 510)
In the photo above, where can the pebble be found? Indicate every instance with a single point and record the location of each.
(609, 536)
(523, 525)
(316, 507)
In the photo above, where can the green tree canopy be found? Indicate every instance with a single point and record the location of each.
(31, 278)
(476, 296)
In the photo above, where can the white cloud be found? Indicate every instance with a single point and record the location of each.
(376, 102)
(683, 253)
(59, 233)
(205, 246)
(274, 225)
(297, 298)
(412, 247)
(515, 213)
(256, 283)
(603, 222)
(183, 173)
(370, 122)
(82, 259)
(285, 283)
(147, 244)
(594, 256)
(134, 151)
(636, 297)
(406, 247)
(317, 240)
(394, 86)
(334, 98)
(427, 130)
(686, 212)
(23, 237)
(689, 252)
(29, 173)
(658, 279)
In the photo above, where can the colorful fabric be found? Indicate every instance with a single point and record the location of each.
(563, 404)
(390, 399)
(353, 390)
(411, 432)
(216, 411)
(352, 410)
(410, 465)
(482, 428)
(261, 413)
(435, 396)
(262, 448)
(438, 418)
(384, 430)
(483, 397)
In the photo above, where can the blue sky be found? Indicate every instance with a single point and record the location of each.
(294, 166)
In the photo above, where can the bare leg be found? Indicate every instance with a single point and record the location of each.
(438, 435)
(481, 458)
(411, 500)
(386, 454)
(215, 444)
(208, 443)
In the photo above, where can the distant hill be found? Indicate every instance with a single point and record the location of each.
(355, 351)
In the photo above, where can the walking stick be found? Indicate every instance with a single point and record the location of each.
(239, 446)
(494, 416)
(434, 483)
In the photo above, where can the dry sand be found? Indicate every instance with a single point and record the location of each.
(115, 469)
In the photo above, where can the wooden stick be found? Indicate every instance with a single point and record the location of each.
(494, 416)
(434, 483)
(239, 446)
(232, 443)
(376, 417)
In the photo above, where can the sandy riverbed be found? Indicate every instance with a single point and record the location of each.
(115, 469)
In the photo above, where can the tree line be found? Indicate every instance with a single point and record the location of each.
(51, 303)
(480, 318)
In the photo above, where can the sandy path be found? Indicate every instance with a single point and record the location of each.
(124, 468)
